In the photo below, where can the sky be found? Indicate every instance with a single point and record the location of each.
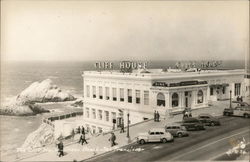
(63, 30)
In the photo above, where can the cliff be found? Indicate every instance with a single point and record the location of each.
(44, 135)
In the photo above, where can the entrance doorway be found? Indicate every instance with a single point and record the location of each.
(188, 99)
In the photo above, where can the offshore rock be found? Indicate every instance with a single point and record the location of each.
(25, 103)
(44, 91)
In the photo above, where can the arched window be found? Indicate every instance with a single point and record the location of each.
(175, 100)
(200, 96)
(160, 99)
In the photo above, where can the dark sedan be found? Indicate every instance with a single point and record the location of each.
(208, 120)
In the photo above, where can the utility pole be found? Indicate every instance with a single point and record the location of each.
(230, 106)
(128, 127)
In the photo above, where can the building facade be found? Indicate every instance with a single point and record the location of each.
(110, 95)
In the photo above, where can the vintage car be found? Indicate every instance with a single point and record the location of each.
(155, 135)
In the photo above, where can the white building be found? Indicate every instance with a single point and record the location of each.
(112, 95)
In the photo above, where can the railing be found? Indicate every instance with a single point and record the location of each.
(49, 120)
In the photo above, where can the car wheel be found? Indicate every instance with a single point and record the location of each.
(246, 115)
(142, 141)
(164, 140)
(212, 124)
(179, 134)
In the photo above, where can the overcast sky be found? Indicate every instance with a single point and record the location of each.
(124, 30)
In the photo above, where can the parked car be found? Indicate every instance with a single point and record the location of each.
(155, 135)
(192, 123)
(243, 111)
(208, 119)
(177, 130)
(228, 111)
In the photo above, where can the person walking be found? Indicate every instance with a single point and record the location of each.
(60, 149)
(158, 116)
(83, 130)
(112, 139)
(155, 116)
(83, 139)
(189, 114)
(122, 128)
(186, 114)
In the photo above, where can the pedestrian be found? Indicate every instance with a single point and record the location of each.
(241, 99)
(189, 113)
(60, 149)
(186, 114)
(158, 116)
(83, 130)
(73, 134)
(83, 139)
(122, 128)
(112, 139)
(183, 112)
(155, 116)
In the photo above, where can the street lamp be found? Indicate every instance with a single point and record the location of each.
(128, 127)
(230, 106)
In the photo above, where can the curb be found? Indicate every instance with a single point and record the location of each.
(105, 153)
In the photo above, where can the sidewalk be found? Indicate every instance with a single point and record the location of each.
(100, 144)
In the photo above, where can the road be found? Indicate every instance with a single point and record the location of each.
(200, 145)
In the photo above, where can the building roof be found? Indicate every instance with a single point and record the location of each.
(158, 74)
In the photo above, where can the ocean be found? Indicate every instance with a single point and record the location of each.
(16, 76)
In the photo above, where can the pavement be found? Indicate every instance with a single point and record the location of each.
(101, 144)
(203, 145)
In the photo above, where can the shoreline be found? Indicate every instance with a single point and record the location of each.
(35, 120)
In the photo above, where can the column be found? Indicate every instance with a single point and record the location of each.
(170, 99)
(167, 100)
(193, 98)
(125, 95)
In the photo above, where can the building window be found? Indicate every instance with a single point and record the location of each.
(94, 91)
(130, 95)
(107, 93)
(200, 96)
(121, 94)
(94, 113)
(93, 129)
(211, 91)
(87, 112)
(107, 115)
(114, 94)
(237, 89)
(100, 93)
(99, 129)
(175, 100)
(100, 114)
(88, 128)
(137, 95)
(146, 97)
(88, 91)
(160, 99)
(113, 115)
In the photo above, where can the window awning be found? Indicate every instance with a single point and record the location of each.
(220, 85)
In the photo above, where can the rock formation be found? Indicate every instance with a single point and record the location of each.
(44, 91)
(25, 102)
(44, 135)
